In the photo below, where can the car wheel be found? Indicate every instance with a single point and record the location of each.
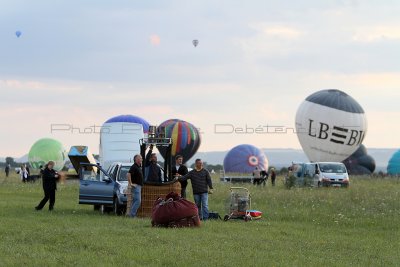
(96, 207)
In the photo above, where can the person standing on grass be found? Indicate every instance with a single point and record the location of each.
(49, 181)
(201, 181)
(153, 169)
(28, 171)
(135, 182)
(264, 177)
(273, 176)
(179, 170)
(256, 176)
(24, 174)
(7, 169)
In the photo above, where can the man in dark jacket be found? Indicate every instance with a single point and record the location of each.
(201, 181)
(49, 186)
(179, 170)
(153, 170)
(135, 182)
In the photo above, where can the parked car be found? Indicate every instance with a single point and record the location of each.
(319, 174)
(105, 190)
(331, 174)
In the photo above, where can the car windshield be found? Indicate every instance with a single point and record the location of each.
(122, 173)
(332, 168)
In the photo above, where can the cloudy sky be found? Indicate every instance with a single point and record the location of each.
(81, 62)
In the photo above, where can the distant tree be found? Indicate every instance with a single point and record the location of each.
(283, 171)
(11, 161)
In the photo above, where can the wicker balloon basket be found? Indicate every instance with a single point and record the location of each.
(150, 193)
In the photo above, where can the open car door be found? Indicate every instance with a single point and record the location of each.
(95, 186)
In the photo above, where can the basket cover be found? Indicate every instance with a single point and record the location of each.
(174, 211)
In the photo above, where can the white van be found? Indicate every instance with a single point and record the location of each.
(328, 173)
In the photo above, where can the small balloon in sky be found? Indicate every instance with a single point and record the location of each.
(195, 42)
(18, 33)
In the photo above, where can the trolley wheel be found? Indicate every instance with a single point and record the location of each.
(226, 218)
(247, 218)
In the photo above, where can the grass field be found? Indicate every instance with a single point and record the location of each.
(358, 226)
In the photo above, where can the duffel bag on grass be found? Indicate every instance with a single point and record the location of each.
(174, 211)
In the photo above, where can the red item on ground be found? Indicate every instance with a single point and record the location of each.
(174, 211)
(255, 213)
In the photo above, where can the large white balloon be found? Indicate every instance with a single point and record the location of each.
(330, 125)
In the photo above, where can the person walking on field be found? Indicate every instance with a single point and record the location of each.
(201, 181)
(49, 181)
(24, 174)
(7, 169)
(179, 170)
(273, 176)
(135, 182)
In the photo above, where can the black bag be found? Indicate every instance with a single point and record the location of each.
(212, 215)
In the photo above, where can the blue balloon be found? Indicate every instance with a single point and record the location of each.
(244, 159)
(130, 119)
(18, 33)
(393, 167)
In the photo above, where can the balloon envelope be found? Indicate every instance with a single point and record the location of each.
(360, 163)
(393, 167)
(195, 42)
(130, 119)
(44, 150)
(185, 138)
(18, 33)
(330, 125)
(244, 159)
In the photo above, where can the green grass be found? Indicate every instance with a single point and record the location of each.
(301, 227)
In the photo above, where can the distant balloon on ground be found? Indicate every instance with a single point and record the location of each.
(330, 125)
(130, 119)
(244, 159)
(44, 150)
(195, 42)
(360, 163)
(393, 167)
(186, 138)
(18, 33)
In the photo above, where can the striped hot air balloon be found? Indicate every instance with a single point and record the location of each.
(185, 138)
